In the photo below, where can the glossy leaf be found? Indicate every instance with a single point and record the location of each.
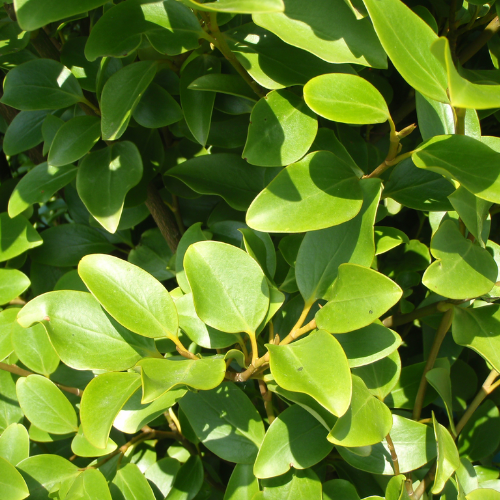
(12, 483)
(295, 368)
(90, 485)
(322, 252)
(16, 236)
(242, 485)
(314, 193)
(327, 29)
(45, 405)
(229, 289)
(281, 131)
(132, 296)
(130, 482)
(293, 485)
(74, 139)
(407, 40)
(294, 439)
(92, 330)
(354, 303)
(226, 422)
(12, 284)
(448, 460)
(161, 375)
(81, 446)
(462, 269)
(102, 400)
(387, 238)
(14, 444)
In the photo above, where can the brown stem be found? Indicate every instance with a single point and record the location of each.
(267, 396)
(443, 328)
(425, 483)
(162, 217)
(480, 41)
(16, 370)
(394, 456)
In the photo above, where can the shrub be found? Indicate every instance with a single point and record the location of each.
(292, 287)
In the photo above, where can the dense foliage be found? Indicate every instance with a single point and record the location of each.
(249, 250)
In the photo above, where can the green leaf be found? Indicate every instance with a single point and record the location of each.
(73, 57)
(196, 330)
(66, 244)
(414, 443)
(223, 174)
(314, 193)
(135, 415)
(387, 238)
(273, 63)
(368, 344)
(226, 84)
(12, 284)
(132, 296)
(472, 210)
(359, 296)
(471, 162)
(12, 483)
(163, 473)
(45, 405)
(188, 481)
(448, 460)
(328, 29)
(281, 130)
(483, 494)
(322, 252)
(81, 446)
(16, 236)
(366, 422)
(238, 6)
(41, 84)
(34, 14)
(439, 378)
(346, 99)
(157, 108)
(407, 40)
(464, 94)
(10, 412)
(120, 96)
(15, 444)
(242, 485)
(33, 348)
(90, 485)
(169, 26)
(381, 376)
(102, 400)
(131, 483)
(197, 105)
(38, 186)
(230, 291)
(95, 333)
(45, 473)
(161, 375)
(396, 489)
(294, 439)
(339, 488)
(50, 126)
(74, 140)
(261, 248)
(226, 422)
(294, 485)
(104, 179)
(295, 367)
(462, 269)
(8, 320)
(192, 235)
(24, 132)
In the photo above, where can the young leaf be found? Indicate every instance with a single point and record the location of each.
(366, 422)
(314, 193)
(95, 333)
(281, 130)
(327, 29)
(38, 186)
(295, 368)
(132, 296)
(471, 162)
(300, 439)
(102, 400)
(12, 483)
(407, 40)
(346, 99)
(359, 296)
(45, 405)
(462, 269)
(74, 139)
(226, 422)
(81, 446)
(15, 444)
(448, 460)
(16, 236)
(322, 252)
(12, 284)
(162, 375)
(230, 291)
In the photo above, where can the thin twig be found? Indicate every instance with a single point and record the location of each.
(394, 456)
